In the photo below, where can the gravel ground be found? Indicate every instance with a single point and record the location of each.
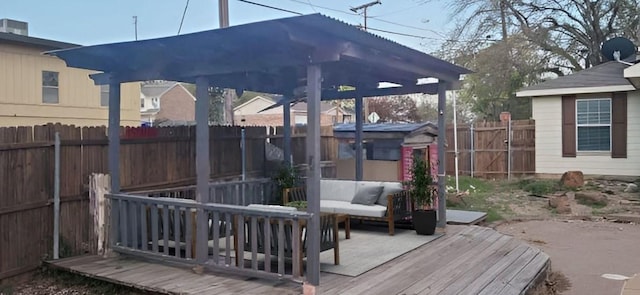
(584, 250)
(67, 284)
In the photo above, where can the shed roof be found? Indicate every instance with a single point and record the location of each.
(609, 75)
(349, 56)
(386, 130)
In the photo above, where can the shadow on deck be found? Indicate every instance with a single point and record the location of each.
(467, 260)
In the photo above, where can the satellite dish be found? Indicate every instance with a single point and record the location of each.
(618, 48)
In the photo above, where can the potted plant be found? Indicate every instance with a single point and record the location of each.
(421, 192)
(285, 177)
(300, 205)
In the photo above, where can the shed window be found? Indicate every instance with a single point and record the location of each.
(50, 87)
(593, 123)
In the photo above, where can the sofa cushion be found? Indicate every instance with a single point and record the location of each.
(362, 210)
(329, 206)
(337, 190)
(367, 195)
(389, 188)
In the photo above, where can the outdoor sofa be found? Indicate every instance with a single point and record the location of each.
(363, 200)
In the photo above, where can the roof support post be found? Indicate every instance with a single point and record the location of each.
(358, 137)
(202, 164)
(314, 78)
(442, 200)
(286, 143)
(114, 135)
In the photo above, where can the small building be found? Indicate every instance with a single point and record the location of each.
(260, 111)
(589, 121)
(38, 89)
(388, 149)
(166, 103)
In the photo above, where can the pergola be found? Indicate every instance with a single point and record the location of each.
(313, 52)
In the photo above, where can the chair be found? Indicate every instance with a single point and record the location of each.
(328, 238)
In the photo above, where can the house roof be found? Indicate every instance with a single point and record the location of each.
(268, 98)
(384, 127)
(156, 89)
(385, 130)
(348, 55)
(606, 77)
(34, 42)
(302, 106)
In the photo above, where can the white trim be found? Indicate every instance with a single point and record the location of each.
(251, 101)
(632, 71)
(578, 90)
(594, 125)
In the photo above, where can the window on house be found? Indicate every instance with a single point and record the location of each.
(50, 87)
(142, 103)
(104, 95)
(593, 124)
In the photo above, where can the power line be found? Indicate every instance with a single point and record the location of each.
(325, 8)
(312, 7)
(183, 14)
(401, 10)
(407, 26)
(272, 7)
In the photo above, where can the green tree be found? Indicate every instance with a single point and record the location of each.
(395, 108)
(216, 103)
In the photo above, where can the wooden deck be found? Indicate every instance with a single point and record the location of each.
(468, 260)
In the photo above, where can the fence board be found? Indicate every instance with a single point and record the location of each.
(490, 152)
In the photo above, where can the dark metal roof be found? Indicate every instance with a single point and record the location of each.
(384, 127)
(229, 57)
(35, 42)
(606, 74)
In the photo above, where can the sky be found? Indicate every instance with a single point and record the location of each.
(90, 22)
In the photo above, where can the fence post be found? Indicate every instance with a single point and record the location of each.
(56, 198)
(472, 150)
(509, 149)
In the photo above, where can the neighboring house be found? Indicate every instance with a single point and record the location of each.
(249, 113)
(38, 89)
(167, 103)
(589, 121)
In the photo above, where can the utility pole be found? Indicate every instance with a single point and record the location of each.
(229, 94)
(364, 7)
(135, 25)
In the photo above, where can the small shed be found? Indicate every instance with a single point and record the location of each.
(388, 149)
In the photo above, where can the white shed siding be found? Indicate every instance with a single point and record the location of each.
(547, 112)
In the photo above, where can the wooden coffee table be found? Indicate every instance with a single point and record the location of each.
(344, 218)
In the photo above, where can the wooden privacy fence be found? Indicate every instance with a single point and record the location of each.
(484, 149)
(160, 158)
(328, 146)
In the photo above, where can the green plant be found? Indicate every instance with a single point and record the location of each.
(421, 184)
(285, 177)
(539, 187)
(297, 204)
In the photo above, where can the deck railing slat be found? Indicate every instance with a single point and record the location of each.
(141, 221)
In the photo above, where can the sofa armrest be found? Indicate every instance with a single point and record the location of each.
(293, 194)
(398, 205)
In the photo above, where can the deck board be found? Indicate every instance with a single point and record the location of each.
(467, 260)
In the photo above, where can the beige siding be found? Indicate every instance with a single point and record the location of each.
(79, 99)
(549, 160)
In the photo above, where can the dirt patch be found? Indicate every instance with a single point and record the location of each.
(62, 283)
(582, 251)
(554, 284)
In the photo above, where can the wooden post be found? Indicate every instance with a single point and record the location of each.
(202, 164)
(442, 125)
(286, 128)
(114, 135)
(99, 206)
(314, 78)
(358, 137)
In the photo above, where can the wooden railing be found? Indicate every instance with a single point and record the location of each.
(166, 229)
(242, 193)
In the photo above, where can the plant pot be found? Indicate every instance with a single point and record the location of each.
(424, 221)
